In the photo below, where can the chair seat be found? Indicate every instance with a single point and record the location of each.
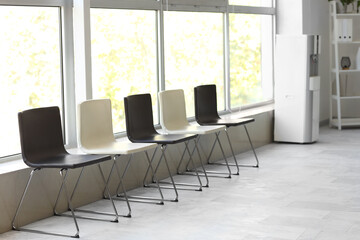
(164, 139)
(118, 147)
(66, 160)
(196, 129)
(228, 122)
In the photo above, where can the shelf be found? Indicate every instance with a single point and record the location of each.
(347, 71)
(346, 97)
(346, 122)
(343, 42)
(343, 48)
(344, 15)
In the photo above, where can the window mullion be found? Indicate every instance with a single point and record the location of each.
(82, 50)
(161, 49)
(227, 61)
(68, 74)
(160, 52)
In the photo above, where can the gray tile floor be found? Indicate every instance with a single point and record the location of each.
(300, 192)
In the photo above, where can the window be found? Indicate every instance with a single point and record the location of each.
(124, 60)
(251, 59)
(254, 3)
(140, 46)
(194, 53)
(30, 67)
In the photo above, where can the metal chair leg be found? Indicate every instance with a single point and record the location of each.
(228, 175)
(76, 235)
(163, 148)
(76, 184)
(69, 200)
(188, 186)
(252, 147)
(121, 183)
(108, 192)
(22, 198)
(194, 166)
(181, 160)
(110, 174)
(196, 141)
(202, 173)
(147, 171)
(144, 199)
(235, 161)
(91, 211)
(155, 177)
(201, 162)
(223, 153)
(212, 148)
(157, 167)
(121, 176)
(57, 199)
(232, 151)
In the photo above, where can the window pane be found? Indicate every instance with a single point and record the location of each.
(123, 57)
(194, 53)
(253, 3)
(251, 43)
(29, 67)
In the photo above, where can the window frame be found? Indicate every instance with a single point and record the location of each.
(238, 9)
(68, 125)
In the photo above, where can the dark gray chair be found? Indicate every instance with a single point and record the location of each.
(42, 147)
(206, 114)
(140, 129)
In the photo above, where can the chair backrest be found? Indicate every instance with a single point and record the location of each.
(139, 116)
(40, 134)
(205, 103)
(172, 109)
(95, 123)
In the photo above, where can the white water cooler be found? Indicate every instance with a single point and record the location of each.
(297, 88)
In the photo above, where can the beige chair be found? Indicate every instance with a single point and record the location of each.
(95, 136)
(173, 120)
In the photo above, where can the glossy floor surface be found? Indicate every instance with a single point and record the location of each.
(299, 192)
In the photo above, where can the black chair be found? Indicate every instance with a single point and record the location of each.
(140, 129)
(206, 114)
(42, 147)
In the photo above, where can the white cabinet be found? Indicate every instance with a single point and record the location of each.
(345, 84)
(297, 86)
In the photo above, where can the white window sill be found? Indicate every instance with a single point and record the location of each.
(250, 111)
(15, 163)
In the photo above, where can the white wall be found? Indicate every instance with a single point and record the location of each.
(309, 17)
(289, 17)
(316, 21)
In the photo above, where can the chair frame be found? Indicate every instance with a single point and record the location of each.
(236, 164)
(173, 120)
(233, 154)
(186, 186)
(100, 113)
(133, 198)
(64, 175)
(163, 147)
